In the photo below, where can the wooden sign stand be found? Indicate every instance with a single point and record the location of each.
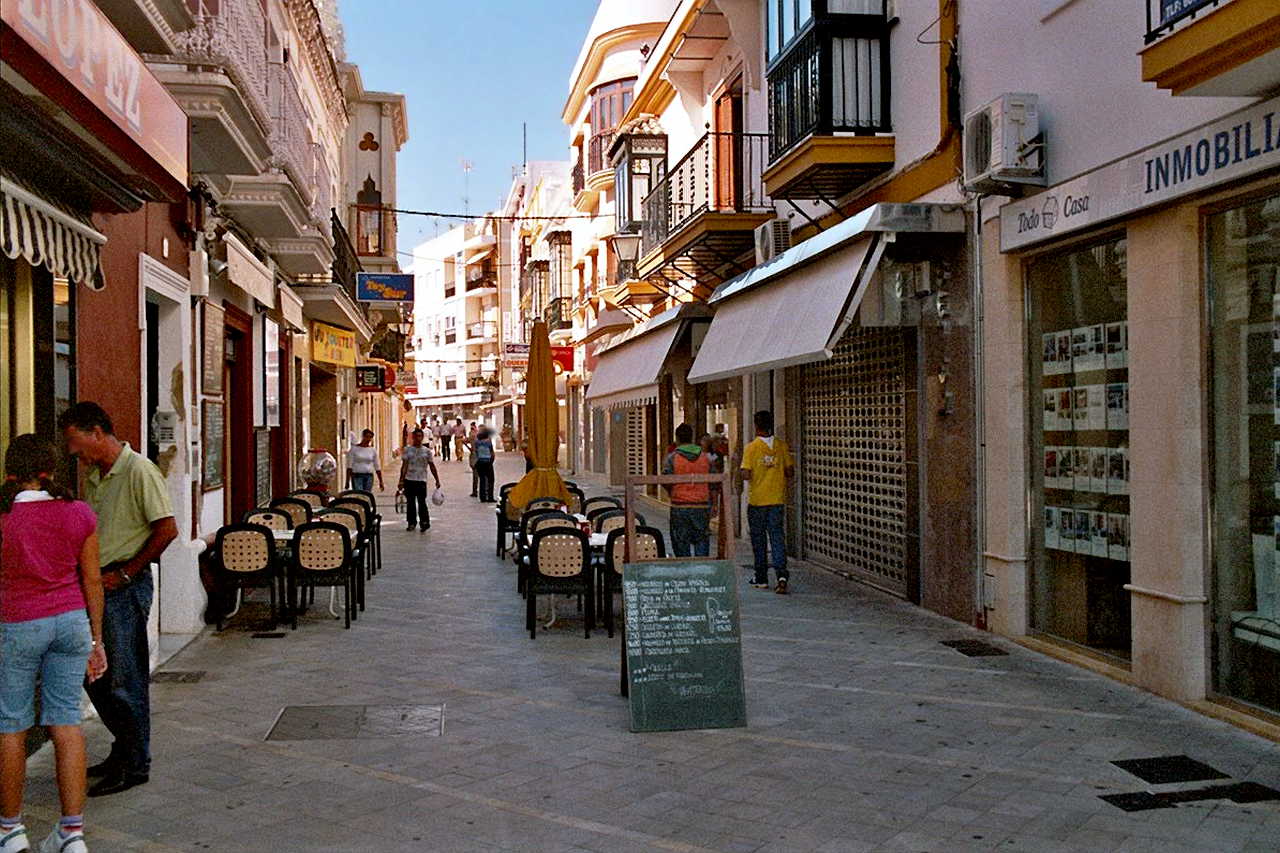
(724, 537)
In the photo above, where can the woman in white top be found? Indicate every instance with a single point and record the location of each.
(362, 464)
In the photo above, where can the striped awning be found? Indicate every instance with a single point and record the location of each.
(47, 234)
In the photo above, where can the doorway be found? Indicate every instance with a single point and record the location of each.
(728, 147)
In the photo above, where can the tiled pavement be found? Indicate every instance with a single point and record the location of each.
(865, 734)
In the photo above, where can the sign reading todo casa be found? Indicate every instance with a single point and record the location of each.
(384, 287)
(1241, 144)
(333, 345)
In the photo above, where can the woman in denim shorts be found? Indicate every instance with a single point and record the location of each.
(50, 629)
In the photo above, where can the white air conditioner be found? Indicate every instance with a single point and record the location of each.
(1003, 146)
(772, 239)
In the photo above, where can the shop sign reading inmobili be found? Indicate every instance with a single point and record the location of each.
(1236, 146)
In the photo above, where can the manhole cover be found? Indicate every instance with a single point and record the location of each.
(173, 677)
(353, 722)
(974, 648)
(1169, 768)
(1139, 802)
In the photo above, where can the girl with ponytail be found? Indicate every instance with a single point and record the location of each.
(50, 633)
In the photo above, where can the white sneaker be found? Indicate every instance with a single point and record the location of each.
(15, 840)
(55, 843)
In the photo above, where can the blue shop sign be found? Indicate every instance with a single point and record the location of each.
(384, 286)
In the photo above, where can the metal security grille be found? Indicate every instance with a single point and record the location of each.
(635, 441)
(855, 458)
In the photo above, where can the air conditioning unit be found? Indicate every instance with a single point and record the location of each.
(1003, 146)
(772, 239)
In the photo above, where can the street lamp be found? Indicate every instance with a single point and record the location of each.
(627, 248)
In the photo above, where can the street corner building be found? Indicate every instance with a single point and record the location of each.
(189, 192)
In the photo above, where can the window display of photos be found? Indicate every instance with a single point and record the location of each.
(1079, 317)
(1243, 253)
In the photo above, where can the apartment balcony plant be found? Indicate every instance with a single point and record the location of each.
(218, 72)
(828, 93)
(698, 221)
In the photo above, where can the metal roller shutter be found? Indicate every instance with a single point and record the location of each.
(855, 458)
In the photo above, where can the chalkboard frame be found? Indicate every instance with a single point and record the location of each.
(724, 535)
(213, 430)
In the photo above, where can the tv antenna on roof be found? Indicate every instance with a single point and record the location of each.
(467, 166)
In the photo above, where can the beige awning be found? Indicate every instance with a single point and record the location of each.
(55, 236)
(627, 371)
(795, 319)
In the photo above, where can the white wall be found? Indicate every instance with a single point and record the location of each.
(1082, 60)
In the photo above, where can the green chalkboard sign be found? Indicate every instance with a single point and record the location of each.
(684, 645)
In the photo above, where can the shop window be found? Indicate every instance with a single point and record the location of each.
(1244, 260)
(1080, 439)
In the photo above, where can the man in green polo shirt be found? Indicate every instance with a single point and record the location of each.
(135, 525)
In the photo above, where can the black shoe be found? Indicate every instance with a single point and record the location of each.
(426, 527)
(106, 767)
(116, 782)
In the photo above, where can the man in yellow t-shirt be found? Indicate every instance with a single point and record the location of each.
(767, 467)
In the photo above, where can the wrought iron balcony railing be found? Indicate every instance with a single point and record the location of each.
(827, 83)
(234, 40)
(290, 139)
(486, 279)
(322, 206)
(346, 263)
(720, 174)
(1163, 16)
(559, 314)
(598, 152)
(579, 178)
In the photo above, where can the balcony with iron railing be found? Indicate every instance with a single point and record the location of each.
(559, 314)
(829, 119)
(1213, 47)
(579, 179)
(482, 280)
(482, 379)
(322, 205)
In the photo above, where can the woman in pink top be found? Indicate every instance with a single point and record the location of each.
(50, 627)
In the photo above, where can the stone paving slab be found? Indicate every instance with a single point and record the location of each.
(865, 733)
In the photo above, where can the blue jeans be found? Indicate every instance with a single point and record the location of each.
(363, 482)
(690, 531)
(55, 648)
(768, 531)
(122, 696)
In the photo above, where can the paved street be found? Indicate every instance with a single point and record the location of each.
(865, 734)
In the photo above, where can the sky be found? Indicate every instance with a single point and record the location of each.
(471, 71)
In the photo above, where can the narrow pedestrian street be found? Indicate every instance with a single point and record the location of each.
(866, 733)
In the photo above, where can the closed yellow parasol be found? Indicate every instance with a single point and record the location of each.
(542, 428)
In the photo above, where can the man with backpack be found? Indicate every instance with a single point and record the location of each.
(690, 502)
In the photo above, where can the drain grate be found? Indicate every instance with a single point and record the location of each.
(974, 648)
(267, 635)
(175, 677)
(1241, 793)
(353, 722)
(1169, 768)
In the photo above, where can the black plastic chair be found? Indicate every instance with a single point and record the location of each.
(244, 557)
(374, 521)
(505, 525)
(298, 510)
(648, 545)
(560, 564)
(275, 519)
(577, 499)
(368, 530)
(530, 524)
(353, 520)
(600, 502)
(322, 557)
(317, 500)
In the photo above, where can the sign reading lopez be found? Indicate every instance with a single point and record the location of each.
(1232, 147)
(80, 43)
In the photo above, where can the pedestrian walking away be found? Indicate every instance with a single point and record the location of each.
(51, 603)
(135, 525)
(690, 502)
(415, 462)
(767, 467)
(363, 464)
(484, 455)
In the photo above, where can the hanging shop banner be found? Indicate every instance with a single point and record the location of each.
(384, 287)
(1241, 144)
(82, 46)
(371, 378)
(333, 345)
(562, 359)
(516, 356)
